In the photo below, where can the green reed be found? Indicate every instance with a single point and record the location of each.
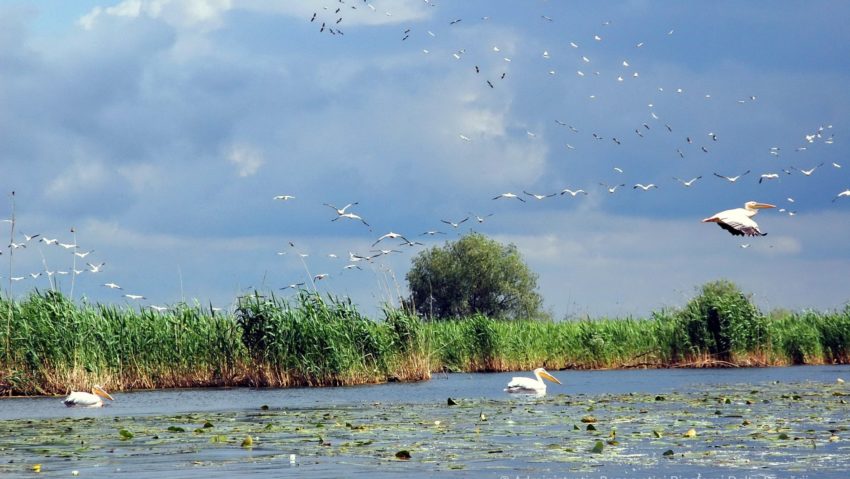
(55, 344)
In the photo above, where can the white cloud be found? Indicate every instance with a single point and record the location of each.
(81, 175)
(246, 158)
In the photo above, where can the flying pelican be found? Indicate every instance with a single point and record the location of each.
(845, 193)
(768, 176)
(688, 183)
(807, 172)
(531, 386)
(509, 196)
(612, 189)
(571, 192)
(340, 211)
(644, 187)
(390, 235)
(92, 399)
(731, 179)
(455, 225)
(539, 197)
(739, 221)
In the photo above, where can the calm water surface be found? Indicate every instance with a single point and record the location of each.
(798, 418)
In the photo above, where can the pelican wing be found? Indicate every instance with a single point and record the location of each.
(525, 385)
(738, 223)
(82, 399)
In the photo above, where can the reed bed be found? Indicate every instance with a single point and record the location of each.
(55, 345)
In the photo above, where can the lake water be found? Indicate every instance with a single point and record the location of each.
(754, 423)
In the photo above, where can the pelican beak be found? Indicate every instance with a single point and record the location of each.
(544, 374)
(763, 205)
(100, 392)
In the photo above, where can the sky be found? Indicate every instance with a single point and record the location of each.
(160, 131)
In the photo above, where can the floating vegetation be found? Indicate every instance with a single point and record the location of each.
(789, 428)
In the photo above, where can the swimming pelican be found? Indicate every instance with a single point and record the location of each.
(92, 399)
(739, 221)
(531, 386)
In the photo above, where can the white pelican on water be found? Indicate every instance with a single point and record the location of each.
(739, 221)
(92, 399)
(529, 385)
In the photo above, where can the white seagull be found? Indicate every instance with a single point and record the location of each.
(284, 197)
(739, 221)
(644, 187)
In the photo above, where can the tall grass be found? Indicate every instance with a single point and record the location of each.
(55, 344)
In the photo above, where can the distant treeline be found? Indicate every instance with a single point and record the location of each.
(50, 345)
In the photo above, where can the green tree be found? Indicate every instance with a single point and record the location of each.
(472, 275)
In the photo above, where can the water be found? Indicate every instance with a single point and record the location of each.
(798, 424)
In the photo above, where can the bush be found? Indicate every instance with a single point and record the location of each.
(721, 321)
(473, 275)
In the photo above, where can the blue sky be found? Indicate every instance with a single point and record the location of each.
(160, 130)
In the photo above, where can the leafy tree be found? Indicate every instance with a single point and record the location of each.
(473, 275)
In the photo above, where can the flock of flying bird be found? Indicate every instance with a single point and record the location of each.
(738, 221)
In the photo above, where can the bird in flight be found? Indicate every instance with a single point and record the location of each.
(688, 183)
(454, 225)
(112, 286)
(612, 189)
(732, 179)
(843, 194)
(739, 221)
(284, 197)
(539, 197)
(572, 193)
(768, 176)
(807, 172)
(134, 297)
(95, 268)
(389, 235)
(509, 196)
(644, 187)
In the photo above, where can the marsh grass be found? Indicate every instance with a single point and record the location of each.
(56, 345)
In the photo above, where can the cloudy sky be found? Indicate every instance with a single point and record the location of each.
(160, 131)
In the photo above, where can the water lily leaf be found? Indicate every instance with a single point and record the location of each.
(403, 455)
(783, 435)
(691, 433)
(208, 424)
(591, 427)
(176, 429)
(125, 434)
(451, 402)
(668, 453)
(588, 419)
(248, 442)
(597, 448)
(657, 433)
